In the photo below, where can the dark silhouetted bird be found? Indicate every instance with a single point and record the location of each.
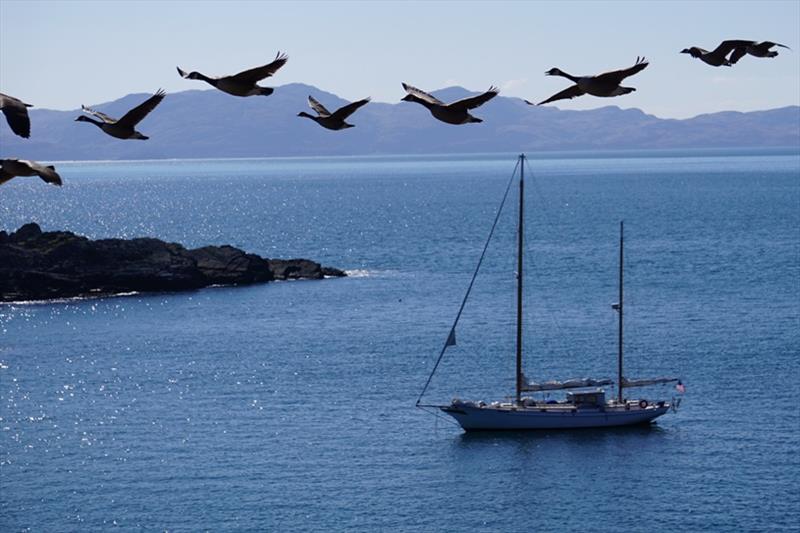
(244, 83)
(124, 128)
(16, 113)
(454, 113)
(335, 120)
(755, 49)
(718, 56)
(606, 84)
(11, 168)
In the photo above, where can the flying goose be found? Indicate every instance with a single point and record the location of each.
(335, 120)
(716, 57)
(606, 84)
(453, 113)
(11, 168)
(124, 127)
(16, 115)
(755, 49)
(244, 83)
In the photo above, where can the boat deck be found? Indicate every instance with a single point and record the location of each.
(561, 415)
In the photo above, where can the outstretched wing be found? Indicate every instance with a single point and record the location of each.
(259, 73)
(4, 174)
(566, 94)
(616, 76)
(345, 111)
(475, 101)
(422, 95)
(725, 47)
(319, 108)
(102, 116)
(16, 115)
(737, 54)
(135, 115)
(766, 45)
(47, 173)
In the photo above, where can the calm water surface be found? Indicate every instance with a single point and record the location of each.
(290, 406)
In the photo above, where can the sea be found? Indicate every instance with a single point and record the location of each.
(290, 406)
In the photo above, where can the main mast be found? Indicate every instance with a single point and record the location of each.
(619, 310)
(519, 274)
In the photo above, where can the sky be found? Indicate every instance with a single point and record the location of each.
(59, 55)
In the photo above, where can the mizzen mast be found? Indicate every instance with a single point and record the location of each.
(619, 308)
(520, 242)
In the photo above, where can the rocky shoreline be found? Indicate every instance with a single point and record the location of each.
(36, 265)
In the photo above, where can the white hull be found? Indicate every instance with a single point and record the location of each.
(507, 417)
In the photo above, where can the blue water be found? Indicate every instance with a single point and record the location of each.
(290, 406)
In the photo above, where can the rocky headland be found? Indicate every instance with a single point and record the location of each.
(37, 265)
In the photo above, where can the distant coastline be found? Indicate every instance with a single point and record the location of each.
(231, 128)
(632, 153)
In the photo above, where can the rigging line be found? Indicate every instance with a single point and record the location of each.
(551, 319)
(471, 283)
(427, 409)
(548, 219)
(539, 195)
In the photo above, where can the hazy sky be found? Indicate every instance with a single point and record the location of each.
(61, 54)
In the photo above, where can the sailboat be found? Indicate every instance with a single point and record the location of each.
(585, 404)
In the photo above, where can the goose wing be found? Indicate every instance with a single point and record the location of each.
(771, 44)
(566, 94)
(475, 101)
(737, 54)
(47, 173)
(422, 95)
(102, 116)
(766, 45)
(345, 111)
(16, 115)
(4, 174)
(319, 108)
(754, 48)
(725, 47)
(259, 73)
(135, 115)
(616, 76)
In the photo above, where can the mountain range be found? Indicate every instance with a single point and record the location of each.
(208, 123)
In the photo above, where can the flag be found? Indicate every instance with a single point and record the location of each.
(451, 339)
(680, 387)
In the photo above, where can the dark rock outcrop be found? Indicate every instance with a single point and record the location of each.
(36, 265)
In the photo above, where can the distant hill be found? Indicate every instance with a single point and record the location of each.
(208, 123)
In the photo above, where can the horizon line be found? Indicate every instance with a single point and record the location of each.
(614, 106)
